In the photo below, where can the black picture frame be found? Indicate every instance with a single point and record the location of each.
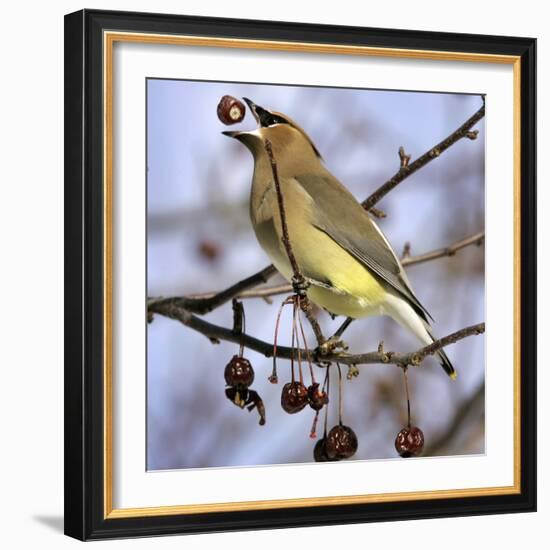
(84, 282)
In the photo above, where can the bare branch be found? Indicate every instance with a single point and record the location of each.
(417, 357)
(205, 303)
(280, 200)
(182, 308)
(406, 251)
(404, 159)
(299, 283)
(377, 213)
(264, 292)
(202, 305)
(404, 359)
(477, 239)
(215, 333)
(407, 168)
(407, 260)
(267, 292)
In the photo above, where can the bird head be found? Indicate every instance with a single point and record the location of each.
(286, 137)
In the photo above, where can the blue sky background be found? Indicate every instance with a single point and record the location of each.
(198, 188)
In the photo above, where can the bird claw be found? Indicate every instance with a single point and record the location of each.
(332, 344)
(300, 285)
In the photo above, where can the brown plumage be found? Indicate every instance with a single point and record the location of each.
(350, 264)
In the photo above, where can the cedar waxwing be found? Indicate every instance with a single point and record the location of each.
(350, 265)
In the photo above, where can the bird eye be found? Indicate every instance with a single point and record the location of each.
(275, 119)
(269, 119)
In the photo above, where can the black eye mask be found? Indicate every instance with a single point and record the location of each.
(269, 119)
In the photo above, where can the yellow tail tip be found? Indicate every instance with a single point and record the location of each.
(453, 375)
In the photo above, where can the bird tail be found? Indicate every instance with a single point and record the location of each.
(402, 312)
(445, 362)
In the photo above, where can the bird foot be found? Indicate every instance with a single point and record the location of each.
(332, 344)
(300, 286)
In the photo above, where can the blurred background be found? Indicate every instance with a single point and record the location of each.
(200, 239)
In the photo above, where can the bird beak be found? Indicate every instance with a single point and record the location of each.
(232, 134)
(243, 137)
(253, 109)
(256, 111)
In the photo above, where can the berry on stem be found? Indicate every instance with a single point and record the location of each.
(320, 452)
(409, 442)
(239, 372)
(293, 397)
(317, 398)
(341, 442)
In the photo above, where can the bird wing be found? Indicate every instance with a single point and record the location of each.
(338, 214)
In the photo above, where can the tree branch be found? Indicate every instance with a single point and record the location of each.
(209, 302)
(477, 239)
(407, 168)
(408, 260)
(215, 333)
(206, 303)
(299, 283)
(210, 298)
(182, 308)
(280, 201)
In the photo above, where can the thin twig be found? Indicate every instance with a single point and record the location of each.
(284, 226)
(201, 305)
(377, 213)
(310, 316)
(404, 159)
(299, 283)
(407, 168)
(182, 309)
(478, 239)
(215, 332)
(408, 261)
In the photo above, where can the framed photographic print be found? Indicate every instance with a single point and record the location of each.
(300, 274)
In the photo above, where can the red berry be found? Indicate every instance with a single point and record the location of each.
(316, 397)
(230, 110)
(239, 372)
(320, 452)
(409, 442)
(341, 442)
(293, 397)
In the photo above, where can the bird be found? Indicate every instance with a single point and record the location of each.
(349, 264)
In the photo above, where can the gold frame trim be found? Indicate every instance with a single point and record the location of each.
(109, 39)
